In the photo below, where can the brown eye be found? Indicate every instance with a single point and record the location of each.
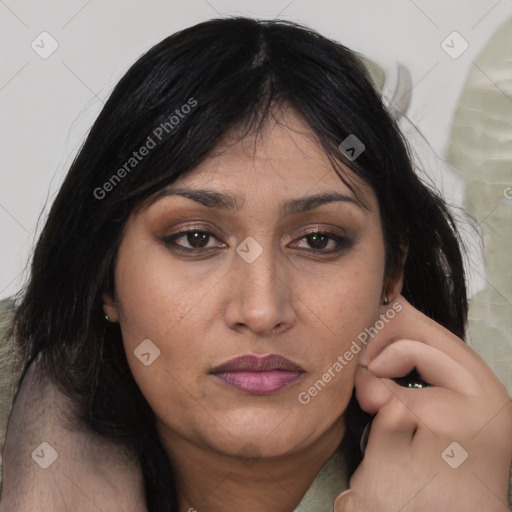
(196, 239)
(320, 241)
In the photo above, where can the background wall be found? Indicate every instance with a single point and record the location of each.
(61, 59)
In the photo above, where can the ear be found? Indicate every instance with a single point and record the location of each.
(110, 308)
(393, 284)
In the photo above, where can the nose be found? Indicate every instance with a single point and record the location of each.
(260, 296)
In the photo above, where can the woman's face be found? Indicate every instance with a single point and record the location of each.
(250, 279)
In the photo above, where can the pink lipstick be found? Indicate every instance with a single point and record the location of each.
(258, 375)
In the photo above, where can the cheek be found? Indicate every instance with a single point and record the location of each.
(155, 298)
(347, 308)
(164, 315)
(352, 300)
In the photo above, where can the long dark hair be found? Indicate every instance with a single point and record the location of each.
(228, 72)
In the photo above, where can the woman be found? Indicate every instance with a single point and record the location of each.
(237, 273)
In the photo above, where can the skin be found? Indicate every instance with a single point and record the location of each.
(234, 451)
(201, 311)
(465, 404)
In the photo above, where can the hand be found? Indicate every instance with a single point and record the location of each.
(447, 447)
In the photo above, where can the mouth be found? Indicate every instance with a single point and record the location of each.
(258, 375)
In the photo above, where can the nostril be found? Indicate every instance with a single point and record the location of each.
(276, 327)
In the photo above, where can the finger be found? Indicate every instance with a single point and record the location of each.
(344, 502)
(374, 393)
(435, 366)
(371, 393)
(409, 323)
(392, 431)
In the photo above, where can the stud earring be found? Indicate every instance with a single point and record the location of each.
(386, 300)
(107, 318)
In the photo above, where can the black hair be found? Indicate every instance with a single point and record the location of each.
(185, 94)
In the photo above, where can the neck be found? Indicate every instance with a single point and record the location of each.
(209, 481)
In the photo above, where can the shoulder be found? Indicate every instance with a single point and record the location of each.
(49, 466)
(10, 369)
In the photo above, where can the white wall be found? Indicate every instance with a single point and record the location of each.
(47, 105)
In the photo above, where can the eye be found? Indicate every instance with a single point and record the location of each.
(320, 240)
(196, 238)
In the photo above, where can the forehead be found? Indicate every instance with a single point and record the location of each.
(284, 158)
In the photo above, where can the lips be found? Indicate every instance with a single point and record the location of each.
(252, 363)
(258, 375)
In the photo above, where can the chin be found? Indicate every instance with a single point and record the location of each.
(264, 439)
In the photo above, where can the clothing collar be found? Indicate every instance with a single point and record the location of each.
(328, 484)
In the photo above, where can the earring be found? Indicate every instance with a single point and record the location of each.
(107, 318)
(386, 300)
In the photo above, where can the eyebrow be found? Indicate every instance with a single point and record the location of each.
(226, 201)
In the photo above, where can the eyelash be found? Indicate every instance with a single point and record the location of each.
(343, 243)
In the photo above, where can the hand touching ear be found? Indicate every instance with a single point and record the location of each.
(446, 447)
